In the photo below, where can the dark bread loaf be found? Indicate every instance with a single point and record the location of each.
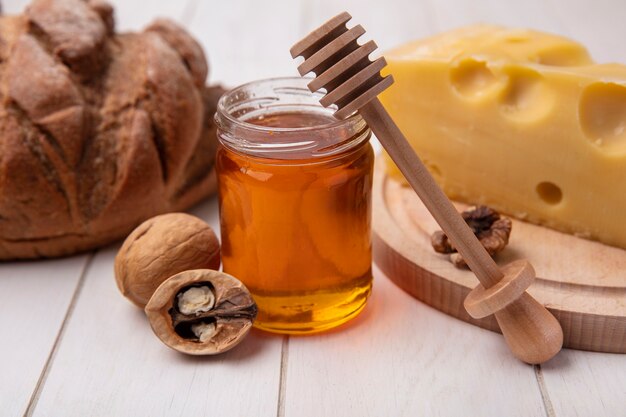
(98, 131)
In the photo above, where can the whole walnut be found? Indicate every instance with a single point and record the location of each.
(161, 247)
(98, 131)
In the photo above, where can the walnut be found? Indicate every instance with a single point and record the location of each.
(161, 247)
(204, 331)
(201, 312)
(490, 228)
(195, 300)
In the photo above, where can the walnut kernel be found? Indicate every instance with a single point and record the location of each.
(201, 312)
(490, 228)
(204, 331)
(195, 300)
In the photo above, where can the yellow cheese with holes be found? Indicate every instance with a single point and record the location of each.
(519, 120)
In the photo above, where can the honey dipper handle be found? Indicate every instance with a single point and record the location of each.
(431, 195)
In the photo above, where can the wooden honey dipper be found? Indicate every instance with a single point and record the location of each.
(352, 82)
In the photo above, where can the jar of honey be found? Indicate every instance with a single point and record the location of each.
(295, 204)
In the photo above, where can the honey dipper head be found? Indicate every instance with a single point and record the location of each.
(341, 65)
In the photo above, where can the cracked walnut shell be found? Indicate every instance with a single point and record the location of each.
(161, 247)
(201, 312)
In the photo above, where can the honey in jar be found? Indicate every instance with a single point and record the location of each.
(295, 205)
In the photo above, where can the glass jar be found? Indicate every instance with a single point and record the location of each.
(295, 204)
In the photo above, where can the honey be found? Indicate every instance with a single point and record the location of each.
(295, 211)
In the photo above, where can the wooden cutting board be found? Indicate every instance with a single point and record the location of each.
(583, 283)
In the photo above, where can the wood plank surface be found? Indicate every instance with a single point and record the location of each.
(38, 297)
(109, 363)
(402, 358)
(34, 300)
(583, 283)
(398, 358)
(586, 384)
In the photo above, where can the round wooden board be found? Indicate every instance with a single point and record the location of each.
(583, 283)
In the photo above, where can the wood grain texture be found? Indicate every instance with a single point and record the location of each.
(532, 333)
(401, 358)
(426, 363)
(109, 363)
(34, 298)
(581, 282)
(586, 384)
(583, 383)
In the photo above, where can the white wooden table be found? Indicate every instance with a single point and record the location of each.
(72, 346)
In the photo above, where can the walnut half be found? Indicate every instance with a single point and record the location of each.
(201, 312)
(490, 228)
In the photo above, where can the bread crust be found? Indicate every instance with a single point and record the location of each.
(98, 131)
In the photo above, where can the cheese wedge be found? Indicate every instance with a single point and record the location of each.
(519, 120)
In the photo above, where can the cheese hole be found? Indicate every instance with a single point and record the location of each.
(526, 97)
(602, 115)
(471, 78)
(549, 192)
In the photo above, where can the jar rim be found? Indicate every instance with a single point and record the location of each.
(262, 140)
(221, 106)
